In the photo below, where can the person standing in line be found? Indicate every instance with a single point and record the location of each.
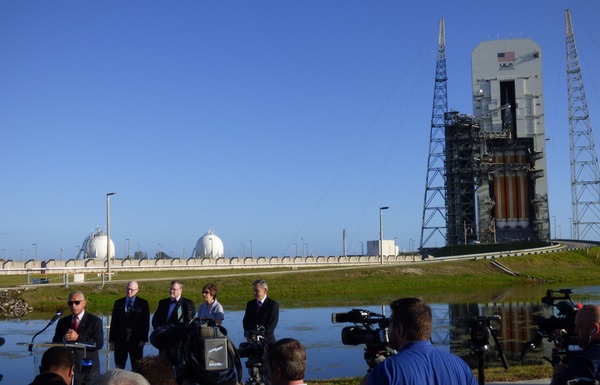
(129, 326)
(84, 328)
(175, 309)
(417, 361)
(285, 362)
(261, 311)
(57, 367)
(211, 308)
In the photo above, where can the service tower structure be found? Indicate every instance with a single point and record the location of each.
(508, 105)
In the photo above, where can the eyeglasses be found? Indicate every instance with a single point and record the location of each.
(71, 303)
(206, 292)
(175, 288)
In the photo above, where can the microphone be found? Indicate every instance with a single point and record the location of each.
(56, 316)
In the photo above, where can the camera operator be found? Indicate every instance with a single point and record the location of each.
(417, 361)
(286, 362)
(586, 363)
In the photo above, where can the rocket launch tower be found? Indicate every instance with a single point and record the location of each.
(496, 177)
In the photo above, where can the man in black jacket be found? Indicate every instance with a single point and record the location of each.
(81, 327)
(175, 309)
(261, 311)
(129, 326)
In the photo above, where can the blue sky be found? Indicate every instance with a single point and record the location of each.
(268, 121)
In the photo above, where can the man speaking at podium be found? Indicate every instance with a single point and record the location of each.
(83, 328)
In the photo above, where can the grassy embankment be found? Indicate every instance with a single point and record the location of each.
(457, 281)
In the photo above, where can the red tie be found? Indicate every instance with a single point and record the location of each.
(75, 323)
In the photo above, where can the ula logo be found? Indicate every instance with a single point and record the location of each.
(506, 66)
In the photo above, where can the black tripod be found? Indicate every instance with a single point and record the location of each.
(481, 329)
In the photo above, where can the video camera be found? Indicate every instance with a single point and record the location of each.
(254, 351)
(200, 352)
(558, 329)
(373, 333)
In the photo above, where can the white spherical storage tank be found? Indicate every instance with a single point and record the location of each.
(94, 246)
(209, 246)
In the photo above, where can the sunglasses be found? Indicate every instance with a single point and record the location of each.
(205, 292)
(70, 303)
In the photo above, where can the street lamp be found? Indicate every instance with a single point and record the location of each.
(35, 244)
(296, 244)
(381, 232)
(302, 247)
(108, 233)
(554, 218)
(128, 251)
(251, 248)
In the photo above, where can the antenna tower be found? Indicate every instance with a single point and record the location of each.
(585, 178)
(434, 208)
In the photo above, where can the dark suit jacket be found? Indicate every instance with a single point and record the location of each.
(90, 332)
(188, 311)
(268, 316)
(129, 328)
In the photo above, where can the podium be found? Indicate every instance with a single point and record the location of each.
(37, 360)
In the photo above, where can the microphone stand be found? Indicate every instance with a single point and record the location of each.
(58, 314)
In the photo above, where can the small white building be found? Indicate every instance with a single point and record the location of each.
(388, 247)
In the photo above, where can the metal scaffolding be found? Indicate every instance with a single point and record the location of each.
(434, 208)
(585, 178)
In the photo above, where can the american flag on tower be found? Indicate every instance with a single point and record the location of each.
(506, 56)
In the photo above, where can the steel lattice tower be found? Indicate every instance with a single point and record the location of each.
(585, 178)
(434, 208)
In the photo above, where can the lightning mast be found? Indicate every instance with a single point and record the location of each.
(434, 208)
(585, 178)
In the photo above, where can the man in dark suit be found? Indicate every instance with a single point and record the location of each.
(175, 309)
(81, 327)
(261, 311)
(129, 326)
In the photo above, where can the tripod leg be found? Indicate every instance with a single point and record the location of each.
(480, 368)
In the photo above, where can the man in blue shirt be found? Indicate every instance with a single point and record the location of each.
(585, 365)
(417, 361)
